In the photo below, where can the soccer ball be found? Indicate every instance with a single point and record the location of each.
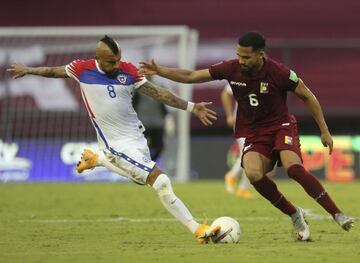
(230, 230)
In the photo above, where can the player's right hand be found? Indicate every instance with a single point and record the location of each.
(148, 68)
(205, 114)
(327, 141)
(18, 70)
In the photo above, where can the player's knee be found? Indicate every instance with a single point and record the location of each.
(295, 170)
(253, 173)
(288, 163)
(162, 185)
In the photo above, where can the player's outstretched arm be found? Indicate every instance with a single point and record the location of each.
(313, 105)
(175, 74)
(227, 103)
(201, 110)
(19, 70)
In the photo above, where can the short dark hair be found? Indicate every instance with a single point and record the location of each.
(111, 44)
(252, 39)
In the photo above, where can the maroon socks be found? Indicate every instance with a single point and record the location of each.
(268, 189)
(313, 187)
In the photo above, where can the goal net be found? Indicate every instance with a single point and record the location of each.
(43, 125)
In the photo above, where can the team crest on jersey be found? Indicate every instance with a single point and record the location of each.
(288, 140)
(264, 87)
(122, 79)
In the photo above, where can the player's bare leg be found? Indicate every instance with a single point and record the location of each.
(256, 166)
(162, 185)
(292, 163)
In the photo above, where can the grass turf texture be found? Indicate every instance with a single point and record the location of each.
(126, 223)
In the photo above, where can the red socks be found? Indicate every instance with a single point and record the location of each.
(313, 187)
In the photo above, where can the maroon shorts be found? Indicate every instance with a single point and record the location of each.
(269, 141)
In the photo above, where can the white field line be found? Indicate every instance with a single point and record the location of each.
(309, 214)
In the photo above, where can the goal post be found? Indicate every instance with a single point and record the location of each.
(30, 114)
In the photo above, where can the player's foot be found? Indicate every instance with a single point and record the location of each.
(302, 230)
(205, 232)
(88, 161)
(244, 193)
(230, 182)
(344, 221)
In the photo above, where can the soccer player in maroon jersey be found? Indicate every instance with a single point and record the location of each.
(260, 87)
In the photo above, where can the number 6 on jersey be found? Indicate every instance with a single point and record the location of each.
(253, 100)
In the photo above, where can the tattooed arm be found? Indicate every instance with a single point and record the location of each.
(166, 97)
(20, 70)
(163, 95)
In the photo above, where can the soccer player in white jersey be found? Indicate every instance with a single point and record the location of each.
(107, 85)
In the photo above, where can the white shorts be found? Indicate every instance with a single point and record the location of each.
(133, 162)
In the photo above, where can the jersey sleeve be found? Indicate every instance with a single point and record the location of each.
(75, 68)
(138, 80)
(220, 70)
(287, 78)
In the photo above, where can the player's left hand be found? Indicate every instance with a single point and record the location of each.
(204, 113)
(148, 68)
(327, 141)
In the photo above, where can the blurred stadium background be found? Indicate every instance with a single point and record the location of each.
(43, 125)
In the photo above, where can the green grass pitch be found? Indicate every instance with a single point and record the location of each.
(124, 222)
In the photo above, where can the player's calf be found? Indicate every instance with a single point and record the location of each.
(177, 208)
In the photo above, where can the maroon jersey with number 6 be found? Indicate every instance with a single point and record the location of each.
(262, 97)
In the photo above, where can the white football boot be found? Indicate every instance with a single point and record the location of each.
(346, 222)
(302, 230)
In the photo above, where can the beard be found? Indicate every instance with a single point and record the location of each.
(246, 68)
(112, 74)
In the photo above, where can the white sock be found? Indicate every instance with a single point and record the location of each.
(236, 169)
(173, 204)
(170, 201)
(244, 182)
(239, 172)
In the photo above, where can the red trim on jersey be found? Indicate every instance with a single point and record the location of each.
(77, 66)
(130, 69)
(87, 104)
